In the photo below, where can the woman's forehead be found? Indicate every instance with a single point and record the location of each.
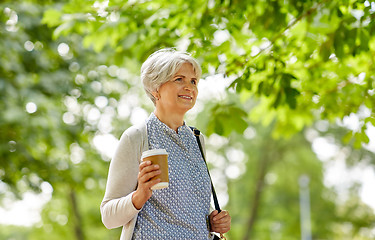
(186, 69)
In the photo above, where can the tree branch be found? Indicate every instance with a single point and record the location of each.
(290, 25)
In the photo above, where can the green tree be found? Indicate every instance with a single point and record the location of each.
(264, 195)
(69, 75)
(302, 59)
(44, 137)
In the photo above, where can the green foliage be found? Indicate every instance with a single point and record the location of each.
(69, 67)
(305, 56)
(274, 167)
(228, 117)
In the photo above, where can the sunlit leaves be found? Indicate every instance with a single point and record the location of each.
(225, 119)
(52, 18)
(331, 28)
(290, 62)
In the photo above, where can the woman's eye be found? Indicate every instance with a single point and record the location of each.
(178, 79)
(194, 82)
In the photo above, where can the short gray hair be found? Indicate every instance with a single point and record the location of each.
(160, 67)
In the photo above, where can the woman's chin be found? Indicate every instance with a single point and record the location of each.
(183, 108)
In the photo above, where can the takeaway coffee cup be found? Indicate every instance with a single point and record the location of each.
(159, 157)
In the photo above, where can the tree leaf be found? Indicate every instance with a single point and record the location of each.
(52, 18)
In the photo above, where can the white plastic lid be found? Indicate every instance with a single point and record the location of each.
(153, 152)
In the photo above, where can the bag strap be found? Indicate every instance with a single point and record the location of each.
(216, 202)
(197, 134)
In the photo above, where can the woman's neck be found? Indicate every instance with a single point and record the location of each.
(172, 120)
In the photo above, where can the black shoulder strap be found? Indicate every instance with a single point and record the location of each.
(197, 133)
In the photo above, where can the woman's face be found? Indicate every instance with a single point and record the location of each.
(180, 93)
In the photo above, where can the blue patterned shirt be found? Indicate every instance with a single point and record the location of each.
(181, 210)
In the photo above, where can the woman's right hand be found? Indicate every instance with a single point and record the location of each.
(144, 192)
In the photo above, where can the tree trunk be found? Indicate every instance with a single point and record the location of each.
(77, 220)
(257, 195)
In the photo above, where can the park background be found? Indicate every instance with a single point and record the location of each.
(286, 104)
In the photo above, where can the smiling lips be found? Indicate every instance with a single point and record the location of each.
(185, 97)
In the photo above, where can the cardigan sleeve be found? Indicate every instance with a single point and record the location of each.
(201, 138)
(117, 208)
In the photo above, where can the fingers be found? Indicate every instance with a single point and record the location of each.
(219, 217)
(143, 192)
(144, 164)
(149, 172)
(214, 213)
(220, 222)
(146, 172)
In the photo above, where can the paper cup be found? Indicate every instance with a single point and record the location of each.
(159, 157)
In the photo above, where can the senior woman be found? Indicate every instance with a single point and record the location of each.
(181, 211)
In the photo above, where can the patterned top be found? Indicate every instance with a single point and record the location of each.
(181, 210)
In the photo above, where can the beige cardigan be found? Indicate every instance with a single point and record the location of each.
(117, 208)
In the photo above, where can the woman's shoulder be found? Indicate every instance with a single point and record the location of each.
(136, 130)
(135, 133)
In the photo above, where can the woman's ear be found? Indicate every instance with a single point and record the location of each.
(156, 95)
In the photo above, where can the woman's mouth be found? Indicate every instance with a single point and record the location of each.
(185, 97)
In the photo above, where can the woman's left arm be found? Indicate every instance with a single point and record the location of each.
(220, 222)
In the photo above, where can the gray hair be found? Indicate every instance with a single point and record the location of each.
(160, 67)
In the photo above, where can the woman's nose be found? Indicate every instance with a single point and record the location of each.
(189, 86)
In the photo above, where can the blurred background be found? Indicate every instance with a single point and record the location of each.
(286, 103)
